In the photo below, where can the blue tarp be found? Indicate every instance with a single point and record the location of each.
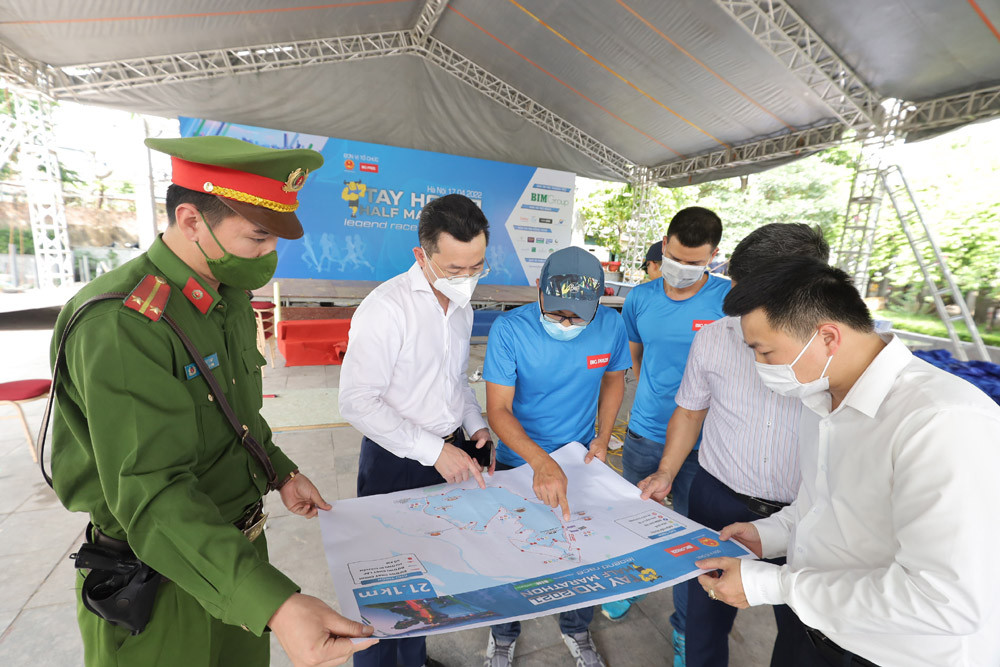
(983, 374)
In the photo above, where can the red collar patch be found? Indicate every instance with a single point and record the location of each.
(198, 295)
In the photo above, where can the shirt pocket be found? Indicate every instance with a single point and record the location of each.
(253, 360)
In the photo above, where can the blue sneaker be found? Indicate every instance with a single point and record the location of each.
(616, 610)
(680, 657)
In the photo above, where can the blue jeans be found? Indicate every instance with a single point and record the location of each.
(570, 623)
(640, 459)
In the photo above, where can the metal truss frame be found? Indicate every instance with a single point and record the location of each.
(771, 22)
(768, 148)
(427, 19)
(39, 168)
(776, 27)
(643, 224)
(81, 81)
(498, 90)
(952, 109)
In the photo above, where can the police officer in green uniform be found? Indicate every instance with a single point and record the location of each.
(140, 442)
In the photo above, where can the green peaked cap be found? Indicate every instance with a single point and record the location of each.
(269, 203)
(275, 163)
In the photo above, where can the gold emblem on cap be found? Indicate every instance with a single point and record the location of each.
(208, 186)
(295, 180)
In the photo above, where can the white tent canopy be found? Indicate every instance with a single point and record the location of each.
(676, 90)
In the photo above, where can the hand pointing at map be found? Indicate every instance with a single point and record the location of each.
(550, 484)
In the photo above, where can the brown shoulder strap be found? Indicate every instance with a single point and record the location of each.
(242, 431)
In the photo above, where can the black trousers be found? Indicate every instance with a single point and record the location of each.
(712, 504)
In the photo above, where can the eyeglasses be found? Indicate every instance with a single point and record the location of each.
(559, 319)
(485, 271)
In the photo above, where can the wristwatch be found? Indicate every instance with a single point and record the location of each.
(292, 475)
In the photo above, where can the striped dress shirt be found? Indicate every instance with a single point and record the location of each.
(750, 438)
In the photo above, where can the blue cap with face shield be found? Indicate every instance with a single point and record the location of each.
(572, 279)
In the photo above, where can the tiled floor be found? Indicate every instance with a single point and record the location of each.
(37, 607)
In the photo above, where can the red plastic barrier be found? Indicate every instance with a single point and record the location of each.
(313, 342)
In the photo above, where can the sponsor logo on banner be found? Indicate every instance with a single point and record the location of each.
(681, 549)
(697, 325)
(369, 167)
(545, 186)
(349, 165)
(547, 221)
(598, 360)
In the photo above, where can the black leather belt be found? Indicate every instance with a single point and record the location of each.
(833, 653)
(453, 436)
(251, 516)
(102, 540)
(759, 506)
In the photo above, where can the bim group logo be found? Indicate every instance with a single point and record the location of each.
(551, 199)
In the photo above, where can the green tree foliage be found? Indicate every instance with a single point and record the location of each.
(813, 191)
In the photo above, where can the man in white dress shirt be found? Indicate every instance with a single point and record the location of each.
(748, 467)
(891, 541)
(403, 382)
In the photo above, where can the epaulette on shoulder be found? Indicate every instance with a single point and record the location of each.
(149, 297)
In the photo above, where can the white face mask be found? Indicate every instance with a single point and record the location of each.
(458, 289)
(680, 275)
(780, 378)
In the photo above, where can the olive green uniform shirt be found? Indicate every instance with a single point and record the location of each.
(146, 450)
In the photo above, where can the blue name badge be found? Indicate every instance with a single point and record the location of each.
(191, 370)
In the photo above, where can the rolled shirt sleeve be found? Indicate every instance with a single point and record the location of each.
(694, 392)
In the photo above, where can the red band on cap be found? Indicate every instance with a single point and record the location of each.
(207, 177)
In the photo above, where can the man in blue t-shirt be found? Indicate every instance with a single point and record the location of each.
(662, 317)
(551, 368)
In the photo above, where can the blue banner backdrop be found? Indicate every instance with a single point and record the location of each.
(360, 211)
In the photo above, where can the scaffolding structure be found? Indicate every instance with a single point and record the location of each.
(855, 110)
(31, 125)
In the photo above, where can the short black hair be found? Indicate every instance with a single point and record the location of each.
(798, 294)
(210, 206)
(695, 226)
(457, 215)
(778, 239)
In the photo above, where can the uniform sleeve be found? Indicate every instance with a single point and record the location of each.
(694, 392)
(943, 578)
(629, 315)
(365, 376)
(144, 426)
(282, 464)
(621, 357)
(500, 365)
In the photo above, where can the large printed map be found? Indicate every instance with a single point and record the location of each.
(450, 557)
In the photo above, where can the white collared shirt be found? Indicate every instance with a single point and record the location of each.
(892, 542)
(403, 381)
(749, 441)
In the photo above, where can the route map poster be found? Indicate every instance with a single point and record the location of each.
(454, 556)
(360, 211)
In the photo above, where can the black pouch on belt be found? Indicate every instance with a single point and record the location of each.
(120, 588)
